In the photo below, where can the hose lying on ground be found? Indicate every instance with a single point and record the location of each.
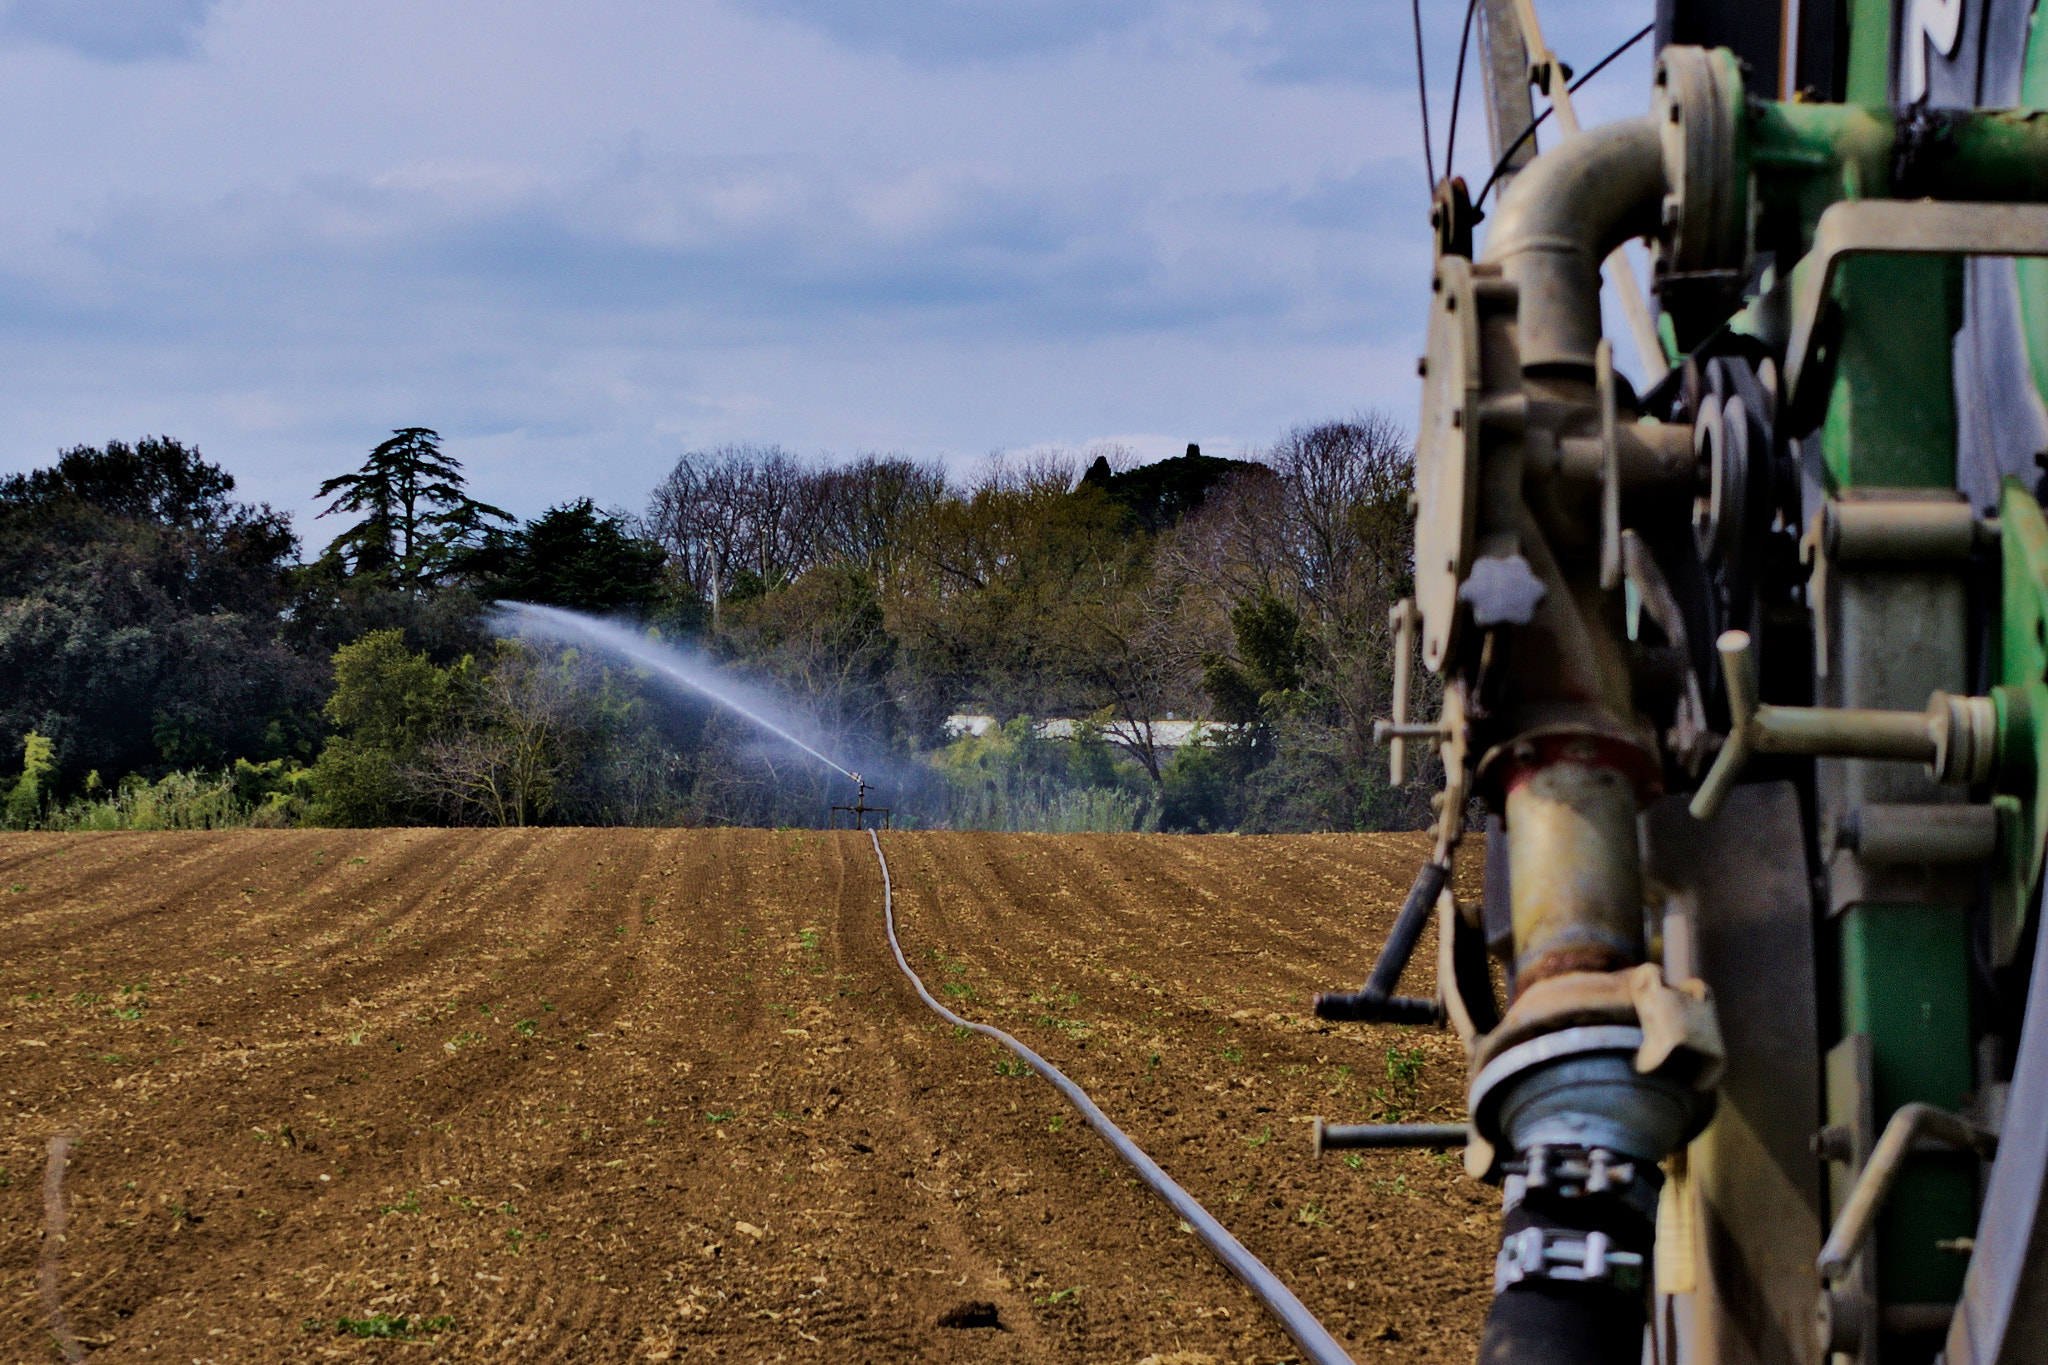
(1315, 1341)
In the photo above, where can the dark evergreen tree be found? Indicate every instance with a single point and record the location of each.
(417, 520)
(570, 556)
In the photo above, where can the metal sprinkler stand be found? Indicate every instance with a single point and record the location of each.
(860, 810)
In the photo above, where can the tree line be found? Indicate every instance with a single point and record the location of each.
(167, 655)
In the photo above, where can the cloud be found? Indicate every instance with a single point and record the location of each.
(961, 30)
(109, 30)
(720, 249)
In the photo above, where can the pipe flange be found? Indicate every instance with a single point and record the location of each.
(1482, 1101)
(1697, 105)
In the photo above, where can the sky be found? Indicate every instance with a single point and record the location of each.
(580, 238)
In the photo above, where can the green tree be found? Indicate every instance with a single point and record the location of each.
(570, 556)
(388, 705)
(1271, 654)
(30, 793)
(417, 518)
(141, 616)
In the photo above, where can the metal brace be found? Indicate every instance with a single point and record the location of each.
(1564, 1254)
(1922, 227)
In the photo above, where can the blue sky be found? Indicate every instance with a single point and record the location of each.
(579, 238)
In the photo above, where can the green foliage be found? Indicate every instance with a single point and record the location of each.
(518, 737)
(139, 617)
(25, 799)
(269, 795)
(570, 556)
(417, 520)
(388, 703)
(1014, 781)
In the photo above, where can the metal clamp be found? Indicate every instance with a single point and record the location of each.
(1541, 1253)
(1580, 1172)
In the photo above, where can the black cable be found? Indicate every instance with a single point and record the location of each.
(1458, 92)
(1422, 89)
(1530, 131)
(1314, 1339)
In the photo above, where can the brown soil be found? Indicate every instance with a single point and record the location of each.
(630, 1095)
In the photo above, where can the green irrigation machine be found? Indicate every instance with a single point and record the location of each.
(1749, 673)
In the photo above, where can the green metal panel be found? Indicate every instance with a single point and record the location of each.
(1870, 53)
(1906, 985)
(2033, 274)
(1891, 422)
(1905, 974)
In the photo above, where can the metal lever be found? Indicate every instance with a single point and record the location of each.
(1383, 1136)
(1376, 1002)
(1901, 1135)
(1402, 617)
(1956, 737)
(1610, 469)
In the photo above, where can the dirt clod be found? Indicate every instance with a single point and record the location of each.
(974, 1314)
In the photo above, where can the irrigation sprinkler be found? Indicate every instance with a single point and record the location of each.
(860, 810)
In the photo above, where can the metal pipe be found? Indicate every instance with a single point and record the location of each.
(1956, 737)
(1314, 1339)
(1574, 876)
(1559, 220)
(1904, 532)
(1388, 1136)
(1874, 1184)
(1895, 834)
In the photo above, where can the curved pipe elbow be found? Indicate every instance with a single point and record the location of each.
(1559, 220)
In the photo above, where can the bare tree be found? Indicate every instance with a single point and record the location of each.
(863, 511)
(735, 509)
(529, 719)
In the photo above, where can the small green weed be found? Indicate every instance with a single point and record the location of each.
(1404, 1066)
(382, 1326)
(1013, 1066)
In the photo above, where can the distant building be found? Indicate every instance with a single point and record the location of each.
(1165, 734)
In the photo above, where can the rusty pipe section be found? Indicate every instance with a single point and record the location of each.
(1560, 219)
(1574, 876)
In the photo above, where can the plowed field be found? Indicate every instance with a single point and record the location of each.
(586, 1096)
